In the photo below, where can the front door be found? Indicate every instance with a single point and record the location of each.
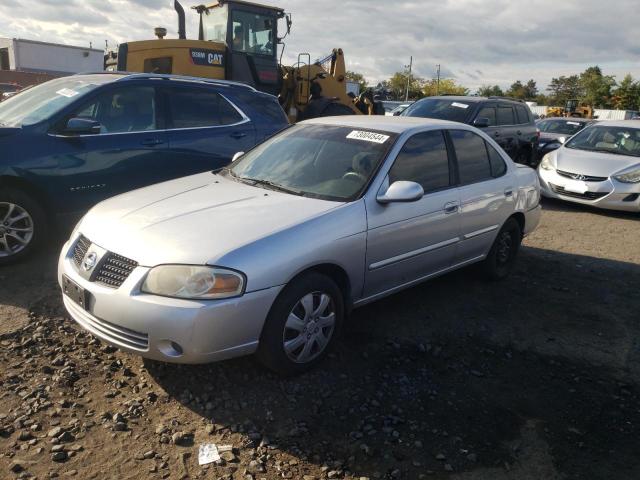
(410, 241)
(128, 152)
(205, 129)
(486, 193)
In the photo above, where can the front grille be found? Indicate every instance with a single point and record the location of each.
(80, 250)
(585, 196)
(111, 333)
(114, 270)
(587, 178)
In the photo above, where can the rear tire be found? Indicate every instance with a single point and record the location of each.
(302, 325)
(23, 225)
(503, 253)
(336, 109)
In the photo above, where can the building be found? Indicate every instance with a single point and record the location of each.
(27, 62)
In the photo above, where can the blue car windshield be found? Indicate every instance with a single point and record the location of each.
(320, 161)
(38, 103)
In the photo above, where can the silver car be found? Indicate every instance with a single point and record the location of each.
(271, 253)
(599, 166)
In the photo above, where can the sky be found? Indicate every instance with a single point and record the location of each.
(476, 42)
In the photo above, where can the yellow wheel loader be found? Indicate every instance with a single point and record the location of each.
(572, 108)
(238, 40)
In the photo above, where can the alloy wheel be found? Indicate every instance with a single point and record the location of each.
(309, 327)
(16, 229)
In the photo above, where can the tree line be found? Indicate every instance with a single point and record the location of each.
(590, 87)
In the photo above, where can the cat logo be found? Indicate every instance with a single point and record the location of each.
(207, 58)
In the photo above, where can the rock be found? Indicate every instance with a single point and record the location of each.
(66, 437)
(160, 429)
(120, 427)
(54, 432)
(57, 448)
(16, 467)
(59, 456)
(25, 435)
(150, 454)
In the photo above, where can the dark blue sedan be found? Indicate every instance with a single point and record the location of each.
(69, 143)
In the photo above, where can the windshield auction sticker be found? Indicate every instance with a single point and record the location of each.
(67, 92)
(459, 105)
(368, 136)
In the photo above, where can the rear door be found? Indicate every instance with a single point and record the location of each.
(486, 193)
(205, 129)
(507, 136)
(128, 153)
(409, 241)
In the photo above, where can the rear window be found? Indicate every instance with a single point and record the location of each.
(442, 109)
(523, 117)
(200, 108)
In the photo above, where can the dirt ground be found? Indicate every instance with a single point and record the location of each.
(536, 377)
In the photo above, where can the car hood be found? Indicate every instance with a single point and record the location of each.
(194, 220)
(548, 137)
(596, 164)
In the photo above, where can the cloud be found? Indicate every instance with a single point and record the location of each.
(475, 41)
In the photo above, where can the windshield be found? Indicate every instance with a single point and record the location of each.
(253, 33)
(321, 161)
(40, 102)
(565, 127)
(617, 140)
(214, 24)
(454, 110)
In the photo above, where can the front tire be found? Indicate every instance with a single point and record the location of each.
(302, 325)
(23, 225)
(503, 253)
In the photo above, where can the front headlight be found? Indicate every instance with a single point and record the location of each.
(546, 163)
(193, 282)
(629, 177)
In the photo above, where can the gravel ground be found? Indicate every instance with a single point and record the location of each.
(536, 377)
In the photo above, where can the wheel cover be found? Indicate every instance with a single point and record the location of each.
(16, 229)
(309, 327)
(504, 248)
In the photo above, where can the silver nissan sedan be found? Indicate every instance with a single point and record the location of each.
(269, 254)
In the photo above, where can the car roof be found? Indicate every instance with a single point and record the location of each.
(569, 119)
(128, 76)
(619, 123)
(383, 123)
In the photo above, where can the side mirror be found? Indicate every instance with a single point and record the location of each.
(481, 122)
(237, 156)
(401, 191)
(82, 126)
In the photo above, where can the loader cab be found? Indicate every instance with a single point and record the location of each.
(250, 32)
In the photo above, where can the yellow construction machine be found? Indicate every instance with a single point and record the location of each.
(238, 40)
(573, 108)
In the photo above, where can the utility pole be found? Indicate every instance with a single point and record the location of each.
(438, 81)
(406, 96)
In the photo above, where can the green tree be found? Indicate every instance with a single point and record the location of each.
(397, 84)
(447, 86)
(490, 91)
(596, 87)
(526, 91)
(357, 78)
(627, 95)
(563, 89)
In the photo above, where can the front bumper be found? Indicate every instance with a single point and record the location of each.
(167, 329)
(609, 194)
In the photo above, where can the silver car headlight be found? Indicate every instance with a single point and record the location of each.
(629, 177)
(546, 163)
(194, 282)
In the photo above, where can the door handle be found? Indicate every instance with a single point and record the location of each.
(508, 192)
(496, 134)
(238, 134)
(519, 132)
(151, 142)
(451, 207)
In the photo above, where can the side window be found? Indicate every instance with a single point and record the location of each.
(131, 109)
(473, 161)
(498, 167)
(423, 159)
(506, 116)
(192, 108)
(523, 117)
(490, 113)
